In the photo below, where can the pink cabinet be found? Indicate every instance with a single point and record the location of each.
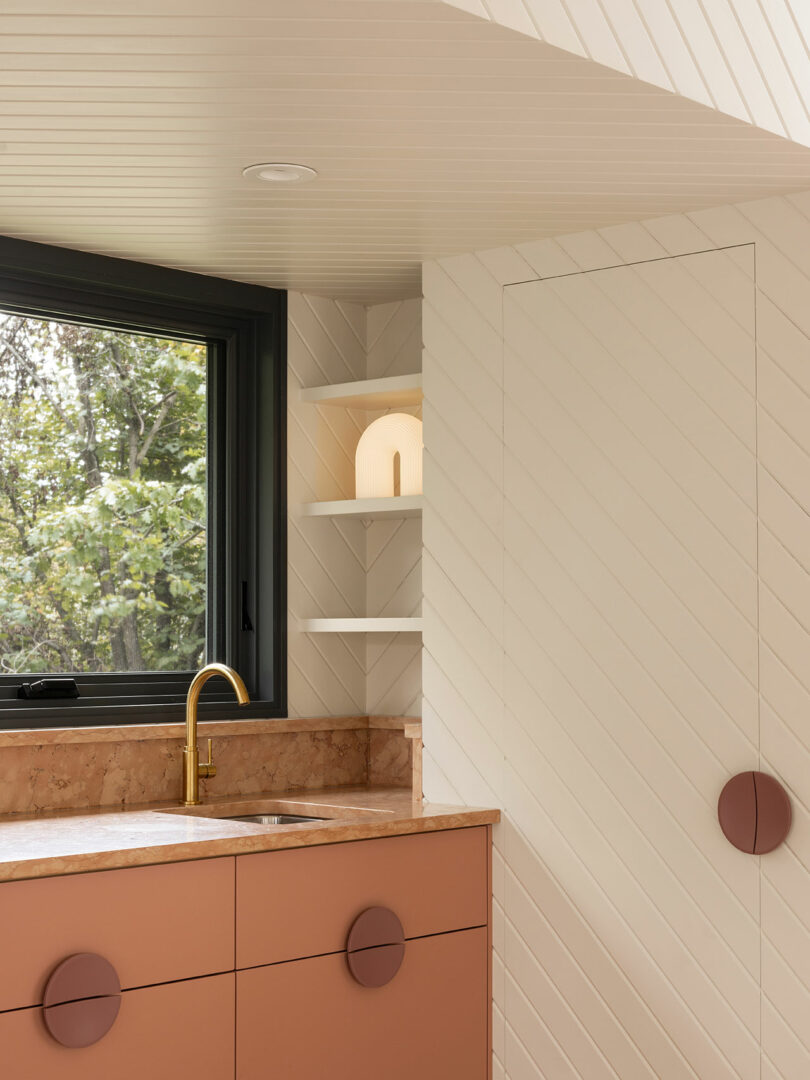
(183, 970)
(309, 1019)
(183, 1029)
(301, 902)
(153, 923)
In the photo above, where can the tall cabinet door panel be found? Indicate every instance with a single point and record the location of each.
(630, 647)
(170, 1032)
(309, 1018)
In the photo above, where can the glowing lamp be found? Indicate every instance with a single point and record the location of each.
(375, 460)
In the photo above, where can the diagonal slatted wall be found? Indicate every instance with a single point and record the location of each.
(745, 58)
(617, 618)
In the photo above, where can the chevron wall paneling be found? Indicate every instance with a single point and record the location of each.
(394, 548)
(326, 559)
(745, 58)
(341, 567)
(617, 618)
(394, 338)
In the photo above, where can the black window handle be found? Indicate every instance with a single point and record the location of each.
(49, 688)
(246, 623)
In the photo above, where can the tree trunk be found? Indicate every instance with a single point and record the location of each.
(132, 645)
(117, 637)
(94, 479)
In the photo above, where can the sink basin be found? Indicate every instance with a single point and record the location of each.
(271, 819)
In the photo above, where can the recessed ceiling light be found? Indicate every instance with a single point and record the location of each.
(279, 173)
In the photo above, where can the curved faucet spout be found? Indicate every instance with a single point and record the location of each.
(193, 770)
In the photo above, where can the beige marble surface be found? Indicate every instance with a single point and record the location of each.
(207, 729)
(99, 767)
(34, 846)
(390, 759)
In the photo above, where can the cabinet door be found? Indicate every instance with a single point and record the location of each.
(166, 1032)
(309, 1019)
(301, 902)
(154, 924)
(631, 649)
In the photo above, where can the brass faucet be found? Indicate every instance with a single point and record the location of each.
(193, 770)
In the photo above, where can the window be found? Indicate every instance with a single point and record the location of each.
(103, 510)
(142, 462)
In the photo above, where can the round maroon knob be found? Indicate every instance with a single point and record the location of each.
(81, 1001)
(375, 947)
(754, 812)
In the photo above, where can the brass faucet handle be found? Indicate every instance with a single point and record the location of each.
(207, 769)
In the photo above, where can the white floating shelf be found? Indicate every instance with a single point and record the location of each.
(397, 506)
(361, 626)
(388, 393)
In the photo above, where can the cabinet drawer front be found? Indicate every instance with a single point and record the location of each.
(302, 902)
(162, 1033)
(153, 923)
(309, 1018)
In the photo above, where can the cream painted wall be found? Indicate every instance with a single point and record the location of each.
(747, 58)
(617, 606)
(341, 568)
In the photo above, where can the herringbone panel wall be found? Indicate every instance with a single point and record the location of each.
(337, 567)
(617, 608)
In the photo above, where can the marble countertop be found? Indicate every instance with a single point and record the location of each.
(71, 842)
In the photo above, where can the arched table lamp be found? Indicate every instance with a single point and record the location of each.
(395, 433)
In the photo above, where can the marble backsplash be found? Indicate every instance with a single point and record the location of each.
(126, 766)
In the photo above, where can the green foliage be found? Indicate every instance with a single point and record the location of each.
(102, 499)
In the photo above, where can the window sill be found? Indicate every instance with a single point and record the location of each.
(70, 715)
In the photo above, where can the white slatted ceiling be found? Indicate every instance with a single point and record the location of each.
(573, 566)
(124, 128)
(347, 568)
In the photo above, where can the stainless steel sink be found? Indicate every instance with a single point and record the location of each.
(272, 819)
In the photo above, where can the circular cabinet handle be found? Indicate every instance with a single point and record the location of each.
(81, 1001)
(375, 947)
(754, 812)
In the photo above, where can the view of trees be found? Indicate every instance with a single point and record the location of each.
(102, 499)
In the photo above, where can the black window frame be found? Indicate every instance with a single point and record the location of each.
(245, 329)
